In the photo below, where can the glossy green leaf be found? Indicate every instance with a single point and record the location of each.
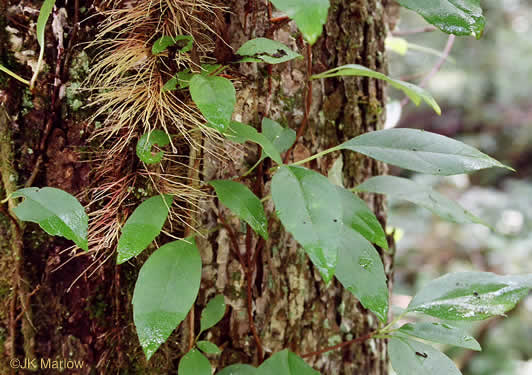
(240, 133)
(424, 196)
(166, 41)
(470, 295)
(194, 363)
(208, 347)
(357, 215)
(212, 313)
(285, 363)
(141, 228)
(44, 14)
(282, 138)
(421, 151)
(165, 291)
(183, 77)
(309, 15)
(319, 215)
(266, 50)
(243, 203)
(360, 270)
(441, 333)
(57, 213)
(215, 98)
(239, 369)
(459, 17)
(147, 141)
(411, 357)
(415, 93)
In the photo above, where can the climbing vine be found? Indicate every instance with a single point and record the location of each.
(336, 228)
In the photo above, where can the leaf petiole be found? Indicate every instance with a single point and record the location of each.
(318, 155)
(14, 75)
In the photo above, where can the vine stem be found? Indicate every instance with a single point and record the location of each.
(246, 265)
(318, 155)
(357, 340)
(436, 68)
(382, 333)
(387, 327)
(193, 175)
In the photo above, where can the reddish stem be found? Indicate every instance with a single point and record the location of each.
(436, 68)
(279, 19)
(358, 340)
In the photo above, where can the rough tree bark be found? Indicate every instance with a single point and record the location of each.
(291, 307)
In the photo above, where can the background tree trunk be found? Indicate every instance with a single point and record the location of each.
(292, 308)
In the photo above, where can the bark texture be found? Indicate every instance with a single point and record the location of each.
(292, 308)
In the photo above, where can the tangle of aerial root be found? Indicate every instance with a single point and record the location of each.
(126, 84)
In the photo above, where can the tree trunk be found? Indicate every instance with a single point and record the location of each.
(290, 305)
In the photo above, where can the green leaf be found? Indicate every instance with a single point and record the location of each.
(309, 15)
(208, 347)
(57, 213)
(415, 93)
(360, 270)
(336, 174)
(166, 41)
(240, 133)
(470, 295)
(459, 17)
(282, 138)
(141, 228)
(215, 98)
(212, 313)
(147, 141)
(194, 363)
(239, 369)
(319, 215)
(266, 50)
(285, 363)
(44, 14)
(441, 333)
(183, 77)
(410, 357)
(403, 188)
(171, 84)
(166, 289)
(242, 202)
(14, 75)
(421, 151)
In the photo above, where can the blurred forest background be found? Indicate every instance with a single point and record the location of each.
(486, 97)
